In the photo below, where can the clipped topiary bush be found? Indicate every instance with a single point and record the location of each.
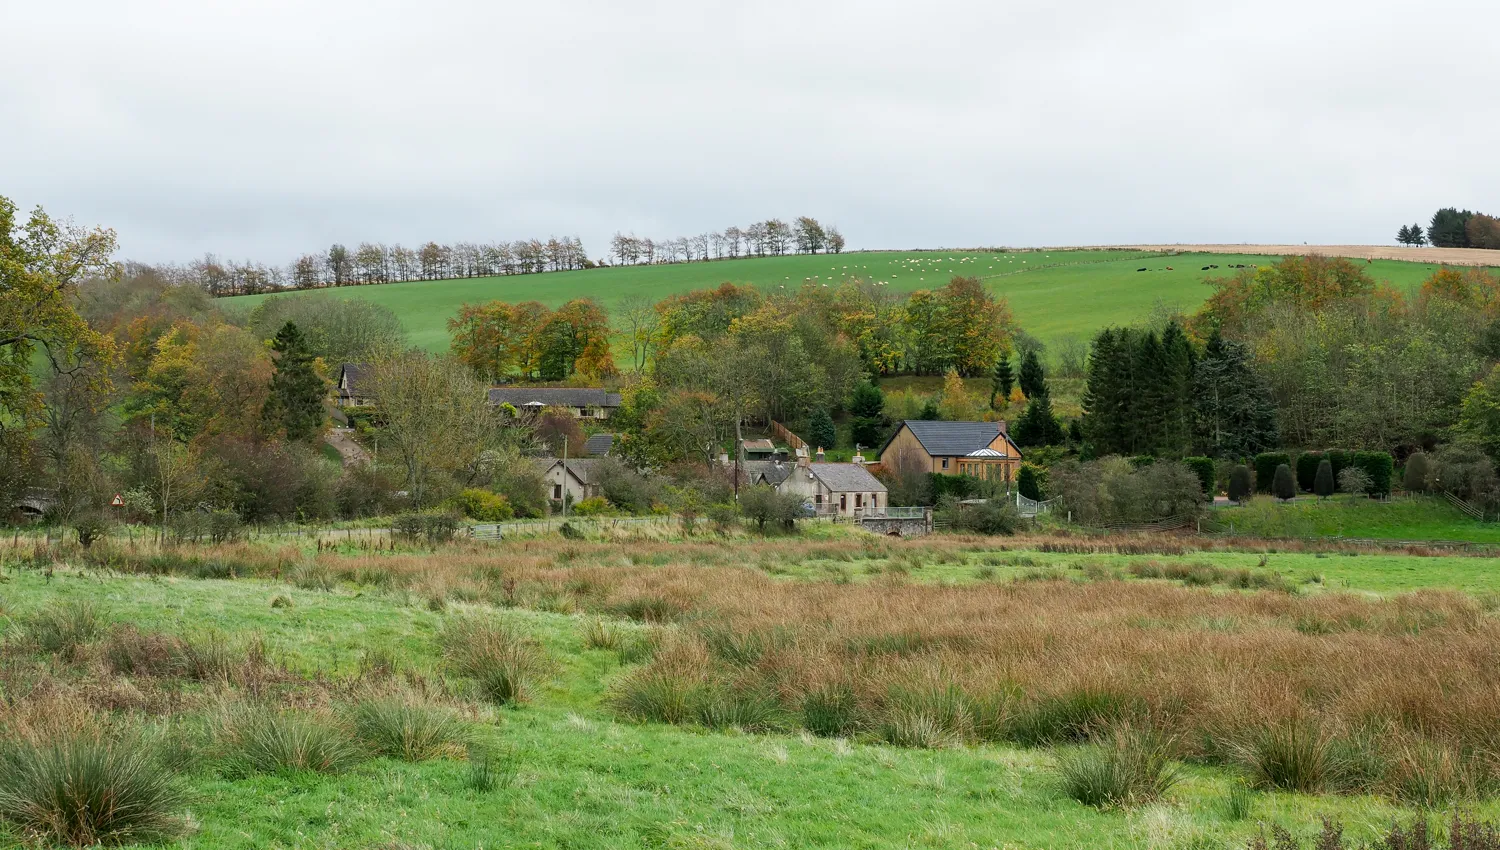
(1265, 469)
(1239, 484)
(1284, 486)
(1307, 471)
(1380, 466)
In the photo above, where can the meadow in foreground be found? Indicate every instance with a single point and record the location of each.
(735, 694)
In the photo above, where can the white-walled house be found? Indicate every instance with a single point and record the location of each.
(842, 489)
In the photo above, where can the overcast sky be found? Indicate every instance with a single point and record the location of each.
(262, 130)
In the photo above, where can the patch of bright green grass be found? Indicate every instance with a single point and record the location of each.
(1052, 294)
(1415, 518)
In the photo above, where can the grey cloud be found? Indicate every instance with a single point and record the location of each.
(262, 130)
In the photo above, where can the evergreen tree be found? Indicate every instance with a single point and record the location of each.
(1418, 236)
(1104, 403)
(1450, 228)
(1028, 482)
(1002, 381)
(820, 430)
(1418, 470)
(1284, 484)
(1239, 484)
(296, 400)
(930, 411)
(1404, 236)
(1149, 396)
(1323, 482)
(1179, 358)
(1236, 417)
(1033, 381)
(1038, 426)
(867, 407)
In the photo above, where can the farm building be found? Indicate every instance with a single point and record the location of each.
(978, 449)
(583, 402)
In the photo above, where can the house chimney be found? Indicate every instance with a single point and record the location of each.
(802, 459)
(1004, 429)
(859, 459)
(723, 458)
(820, 454)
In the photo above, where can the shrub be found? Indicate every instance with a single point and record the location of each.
(1418, 470)
(763, 504)
(434, 527)
(1239, 484)
(63, 627)
(91, 527)
(996, 516)
(224, 526)
(402, 728)
(1307, 470)
(1290, 756)
(1284, 486)
(263, 740)
(1028, 482)
(505, 665)
(592, 506)
(1340, 459)
(1379, 466)
(84, 791)
(1355, 481)
(1323, 482)
(1130, 768)
(482, 505)
(1207, 473)
(1265, 469)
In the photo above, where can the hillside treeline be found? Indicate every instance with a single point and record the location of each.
(770, 238)
(373, 262)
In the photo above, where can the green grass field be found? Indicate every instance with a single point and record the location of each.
(585, 779)
(1052, 294)
(1346, 516)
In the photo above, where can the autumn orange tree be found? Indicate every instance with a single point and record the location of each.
(498, 340)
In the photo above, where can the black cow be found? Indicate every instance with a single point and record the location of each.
(1206, 268)
(1140, 270)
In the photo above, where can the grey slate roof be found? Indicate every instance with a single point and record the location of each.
(951, 439)
(582, 468)
(599, 444)
(353, 374)
(846, 478)
(772, 472)
(554, 396)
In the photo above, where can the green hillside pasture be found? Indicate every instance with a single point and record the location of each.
(1052, 294)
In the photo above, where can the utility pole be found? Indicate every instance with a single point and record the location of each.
(565, 477)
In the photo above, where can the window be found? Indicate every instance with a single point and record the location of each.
(859, 500)
(818, 499)
(843, 502)
(945, 463)
(557, 491)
